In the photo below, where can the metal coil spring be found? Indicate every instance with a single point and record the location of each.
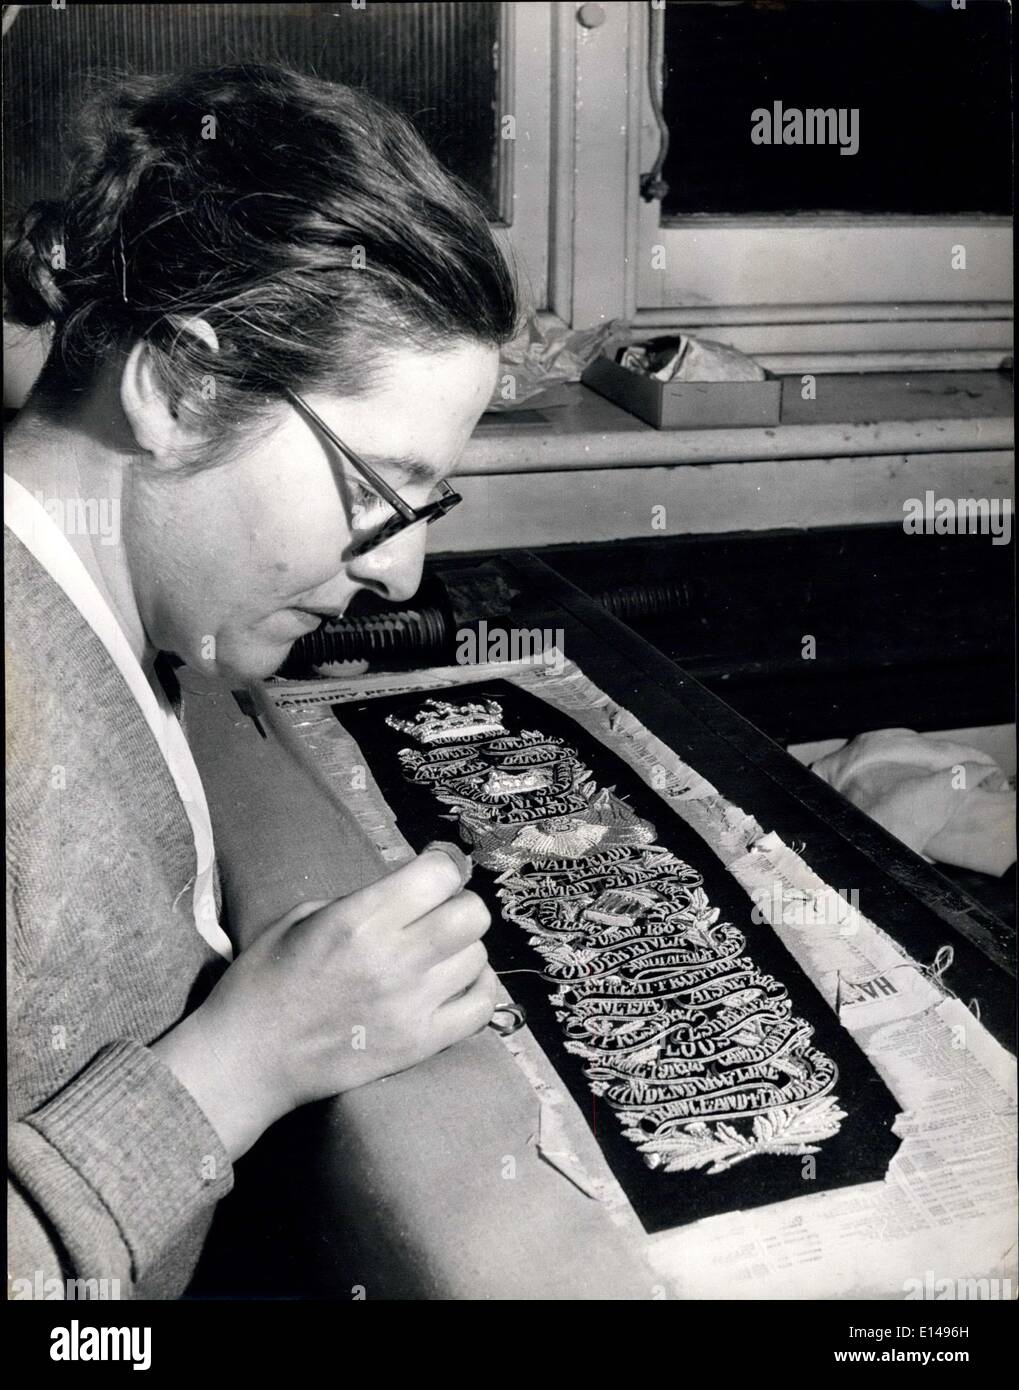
(376, 636)
(643, 600)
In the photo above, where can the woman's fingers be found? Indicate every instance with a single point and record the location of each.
(406, 894)
(447, 930)
(468, 1014)
(455, 975)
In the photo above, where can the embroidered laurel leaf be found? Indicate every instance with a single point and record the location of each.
(787, 1130)
(695, 1147)
(806, 1124)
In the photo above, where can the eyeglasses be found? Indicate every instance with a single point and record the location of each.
(405, 515)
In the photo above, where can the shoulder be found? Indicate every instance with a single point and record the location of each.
(49, 643)
(32, 630)
(44, 641)
(39, 618)
(67, 702)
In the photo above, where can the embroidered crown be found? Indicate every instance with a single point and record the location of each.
(437, 721)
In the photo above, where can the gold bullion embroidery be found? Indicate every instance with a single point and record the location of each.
(695, 1049)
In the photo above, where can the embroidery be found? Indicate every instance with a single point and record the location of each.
(695, 1049)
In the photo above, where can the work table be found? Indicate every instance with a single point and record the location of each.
(374, 1189)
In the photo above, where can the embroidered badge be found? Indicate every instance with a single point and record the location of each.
(695, 1049)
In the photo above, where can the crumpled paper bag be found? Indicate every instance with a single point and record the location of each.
(539, 358)
(948, 802)
(684, 358)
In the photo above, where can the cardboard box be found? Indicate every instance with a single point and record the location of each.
(684, 405)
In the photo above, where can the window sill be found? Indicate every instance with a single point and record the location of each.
(890, 413)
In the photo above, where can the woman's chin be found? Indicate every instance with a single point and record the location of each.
(242, 657)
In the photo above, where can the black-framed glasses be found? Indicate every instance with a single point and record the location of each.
(404, 515)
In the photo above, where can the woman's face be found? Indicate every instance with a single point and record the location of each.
(230, 566)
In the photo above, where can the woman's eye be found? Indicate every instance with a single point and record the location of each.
(363, 498)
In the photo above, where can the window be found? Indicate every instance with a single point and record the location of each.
(439, 64)
(456, 69)
(924, 89)
(546, 107)
(898, 255)
(853, 274)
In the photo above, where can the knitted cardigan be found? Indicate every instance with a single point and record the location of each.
(114, 1170)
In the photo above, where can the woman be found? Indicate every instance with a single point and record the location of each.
(236, 245)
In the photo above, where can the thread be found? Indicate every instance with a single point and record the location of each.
(935, 972)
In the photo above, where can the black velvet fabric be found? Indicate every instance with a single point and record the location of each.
(859, 1152)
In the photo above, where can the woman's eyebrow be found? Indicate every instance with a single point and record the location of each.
(414, 469)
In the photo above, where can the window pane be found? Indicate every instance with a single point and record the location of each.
(930, 84)
(438, 63)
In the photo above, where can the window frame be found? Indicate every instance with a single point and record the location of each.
(828, 292)
(525, 93)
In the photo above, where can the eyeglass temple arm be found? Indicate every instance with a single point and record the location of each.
(393, 498)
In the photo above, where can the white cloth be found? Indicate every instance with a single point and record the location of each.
(40, 534)
(950, 802)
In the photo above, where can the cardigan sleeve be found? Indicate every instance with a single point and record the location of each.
(112, 1174)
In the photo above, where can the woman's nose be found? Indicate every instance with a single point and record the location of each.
(393, 570)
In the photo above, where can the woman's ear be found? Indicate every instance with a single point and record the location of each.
(201, 328)
(156, 425)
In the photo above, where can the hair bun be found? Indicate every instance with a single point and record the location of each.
(30, 273)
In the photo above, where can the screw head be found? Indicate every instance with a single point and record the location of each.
(591, 16)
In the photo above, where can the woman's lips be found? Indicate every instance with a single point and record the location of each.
(295, 621)
(309, 621)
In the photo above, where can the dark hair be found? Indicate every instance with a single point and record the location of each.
(307, 222)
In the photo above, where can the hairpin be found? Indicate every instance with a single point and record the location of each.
(123, 264)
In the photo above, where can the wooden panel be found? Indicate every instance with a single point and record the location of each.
(507, 511)
(817, 261)
(604, 168)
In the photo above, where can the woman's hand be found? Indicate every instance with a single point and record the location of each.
(337, 994)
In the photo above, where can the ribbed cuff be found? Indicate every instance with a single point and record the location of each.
(142, 1144)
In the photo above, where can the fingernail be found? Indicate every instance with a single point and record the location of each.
(464, 863)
